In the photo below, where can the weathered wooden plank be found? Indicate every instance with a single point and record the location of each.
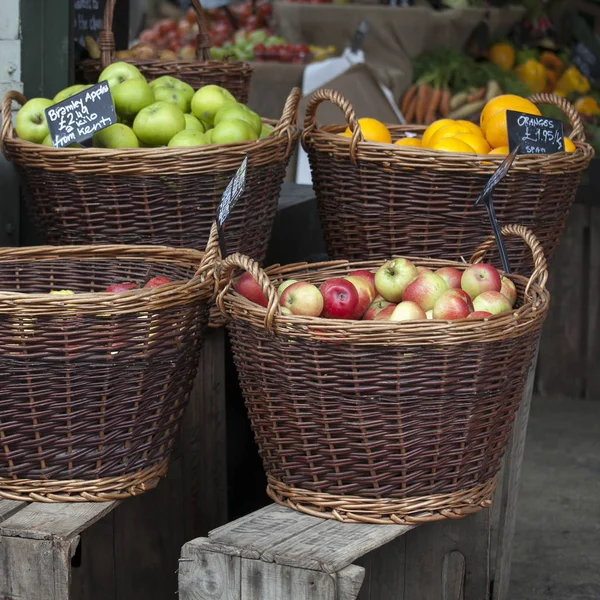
(453, 576)
(593, 289)
(385, 571)
(43, 521)
(510, 492)
(269, 581)
(9, 508)
(208, 575)
(349, 582)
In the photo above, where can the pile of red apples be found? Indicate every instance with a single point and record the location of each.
(398, 291)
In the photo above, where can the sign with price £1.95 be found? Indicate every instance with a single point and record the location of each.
(535, 134)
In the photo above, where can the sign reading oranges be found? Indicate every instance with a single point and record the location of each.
(534, 133)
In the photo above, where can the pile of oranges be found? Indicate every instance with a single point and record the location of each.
(448, 135)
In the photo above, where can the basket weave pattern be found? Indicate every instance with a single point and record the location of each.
(94, 385)
(375, 200)
(378, 421)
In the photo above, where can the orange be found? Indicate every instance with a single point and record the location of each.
(502, 104)
(452, 145)
(476, 141)
(569, 145)
(499, 150)
(408, 141)
(447, 131)
(471, 127)
(346, 134)
(373, 131)
(502, 55)
(435, 126)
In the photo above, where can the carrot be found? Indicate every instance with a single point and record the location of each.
(423, 96)
(445, 103)
(407, 98)
(409, 115)
(476, 95)
(434, 103)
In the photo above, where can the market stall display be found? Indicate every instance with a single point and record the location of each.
(376, 421)
(98, 352)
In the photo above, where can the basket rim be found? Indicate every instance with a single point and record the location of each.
(192, 62)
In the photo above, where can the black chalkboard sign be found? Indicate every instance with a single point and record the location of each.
(535, 134)
(77, 118)
(233, 192)
(87, 18)
(586, 61)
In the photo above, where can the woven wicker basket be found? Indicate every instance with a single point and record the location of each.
(232, 75)
(375, 421)
(375, 200)
(94, 384)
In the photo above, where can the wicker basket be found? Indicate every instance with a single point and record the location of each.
(232, 75)
(376, 200)
(94, 384)
(375, 421)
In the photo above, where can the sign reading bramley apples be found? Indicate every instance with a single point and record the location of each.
(79, 117)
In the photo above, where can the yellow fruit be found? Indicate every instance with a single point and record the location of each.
(569, 145)
(502, 104)
(433, 128)
(415, 142)
(373, 131)
(496, 132)
(471, 127)
(476, 141)
(447, 131)
(346, 134)
(502, 55)
(452, 145)
(499, 150)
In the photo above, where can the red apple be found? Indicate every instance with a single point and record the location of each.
(340, 298)
(479, 314)
(119, 288)
(451, 276)
(421, 270)
(284, 285)
(407, 311)
(303, 298)
(368, 277)
(425, 290)
(492, 302)
(461, 294)
(386, 313)
(508, 289)
(365, 295)
(247, 287)
(157, 281)
(378, 306)
(480, 278)
(392, 278)
(450, 307)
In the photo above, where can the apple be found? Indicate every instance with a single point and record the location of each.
(156, 124)
(393, 277)
(116, 136)
(247, 287)
(365, 294)
(232, 132)
(429, 314)
(407, 311)
(285, 310)
(450, 307)
(188, 137)
(157, 281)
(118, 73)
(62, 293)
(425, 290)
(68, 92)
(171, 89)
(368, 277)
(208, 100)
(31, 122)
(302, 298)
(461, 294)
(47, 141)
(193, 124)
(178, 98)
(480, 278)
(231, 111)
(376, 307)
(492, 302)
(421, 270)
(265, 131)
(451, 276)
(340, 298)
(119, 288)
(130, 97)
(479, 314)
(285, 284)
(508, 289)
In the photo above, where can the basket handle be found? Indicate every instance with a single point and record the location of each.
(241, 261)
(289, 118)
(106, 38)
(7, 130)
(540, 267)
(211, 259)
(577, 135)
(310, 119)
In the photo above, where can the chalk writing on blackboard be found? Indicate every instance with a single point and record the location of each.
(535, 134)
(87, 18)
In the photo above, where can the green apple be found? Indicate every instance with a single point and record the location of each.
(116, 136)
(188, 137)
(259, 36)
(130, 97)
(70, 91)
(240, 112)
(48, 142)
(232, 131)
(218, 53)
(208, 100)
(156, 124)
(171, 89)
(31, 122)
(118, 73)
(265, 131)
(208, 135)
(192, 123)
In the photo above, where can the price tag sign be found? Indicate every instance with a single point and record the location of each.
(586, 61)
(233, 192)
(79, 117)
(534, 134)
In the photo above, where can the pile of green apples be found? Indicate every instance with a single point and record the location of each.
(163, 112)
